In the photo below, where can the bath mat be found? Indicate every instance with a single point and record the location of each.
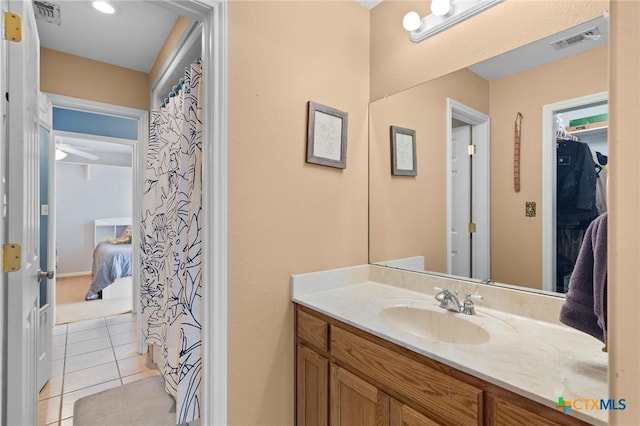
(140, 403)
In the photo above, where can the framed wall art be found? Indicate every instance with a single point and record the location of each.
(403, 152)
(327, 136)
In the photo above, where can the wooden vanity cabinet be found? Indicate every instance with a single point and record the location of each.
(347, 377)
(353, 401)
(312, 373)
(402, 415)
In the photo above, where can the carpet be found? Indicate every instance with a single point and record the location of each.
(71, 306)
(140, 403)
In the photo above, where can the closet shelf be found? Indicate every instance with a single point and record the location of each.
(588, 127)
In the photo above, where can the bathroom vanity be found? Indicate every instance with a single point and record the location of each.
(373, 347)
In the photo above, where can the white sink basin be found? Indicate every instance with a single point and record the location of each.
(436, 323)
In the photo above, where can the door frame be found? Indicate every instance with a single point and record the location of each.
(215, 203)
(549, 176)
(480, 136)
(137, 164)
(45, 121)
(215, 200)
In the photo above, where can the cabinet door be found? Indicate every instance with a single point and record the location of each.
(312, 388)
(355, 402)
(505, 413)
(403, 415)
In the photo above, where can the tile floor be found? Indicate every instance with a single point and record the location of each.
(89, 357)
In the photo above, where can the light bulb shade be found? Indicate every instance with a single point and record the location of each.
(411, 21)
(440, 7)
(104, 7)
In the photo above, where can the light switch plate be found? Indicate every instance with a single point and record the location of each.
(530, 208)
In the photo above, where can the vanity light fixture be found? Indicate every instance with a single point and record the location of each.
(104, 7)
(444, 14)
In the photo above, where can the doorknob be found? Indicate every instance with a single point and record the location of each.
(42, 274)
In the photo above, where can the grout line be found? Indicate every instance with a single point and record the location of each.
(64, 367)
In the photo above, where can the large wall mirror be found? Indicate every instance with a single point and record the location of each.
(461, 214)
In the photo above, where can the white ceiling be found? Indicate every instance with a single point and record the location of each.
(108, 151)
(541, 52)
(130, 38)
(369, 4)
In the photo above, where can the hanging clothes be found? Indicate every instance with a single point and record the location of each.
(576, 204)
(602, 173)
(576, 187)
(172, 243)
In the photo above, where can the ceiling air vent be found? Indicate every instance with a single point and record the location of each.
(590, 34)
(47, 12)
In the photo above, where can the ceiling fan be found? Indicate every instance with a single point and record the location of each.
(63, 149)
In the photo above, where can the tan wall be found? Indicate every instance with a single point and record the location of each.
(624, 205)
(408, 214)
(288, 216)
(78, 77)
(397, 63)
(182, 23)
(527, 92)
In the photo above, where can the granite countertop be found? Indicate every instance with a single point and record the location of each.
(536, 359)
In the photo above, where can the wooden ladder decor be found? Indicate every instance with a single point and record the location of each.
(516, 153)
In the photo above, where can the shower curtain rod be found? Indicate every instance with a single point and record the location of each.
(176, 89)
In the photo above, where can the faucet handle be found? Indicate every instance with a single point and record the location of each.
(468, 308)
(442, 296)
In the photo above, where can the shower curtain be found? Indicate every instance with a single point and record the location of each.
(172, 245)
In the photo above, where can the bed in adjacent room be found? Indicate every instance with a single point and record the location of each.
(111, 256)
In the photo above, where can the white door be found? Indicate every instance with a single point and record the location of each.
(22, 217)
(460, 201)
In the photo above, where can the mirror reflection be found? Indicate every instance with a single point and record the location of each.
(495, 143)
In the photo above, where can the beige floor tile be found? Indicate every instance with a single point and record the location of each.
(92, 345)
(52, 388)
(68, 399)
(90, 359)
(57, 352)
(126, 351)
(137, 364)
(124, 327)
(122, 338)
(57, 367)
(67, 422)
(119, 319)
(139, 376)
(90, 376)
(86, 325)
(49, 410)
(59, 340)
(92, 333)
(59, 329)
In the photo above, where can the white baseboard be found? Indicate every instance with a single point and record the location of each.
(73, 274)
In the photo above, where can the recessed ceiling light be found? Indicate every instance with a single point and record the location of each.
(104, 7)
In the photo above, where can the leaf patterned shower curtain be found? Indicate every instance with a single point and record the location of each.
(172, 244)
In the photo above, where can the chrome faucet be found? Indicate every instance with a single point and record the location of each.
(450, 301)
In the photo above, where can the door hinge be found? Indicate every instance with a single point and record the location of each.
(472, 228)
(12, 27)
(471, 149)
(11, 255)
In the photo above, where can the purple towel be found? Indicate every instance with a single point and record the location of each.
(585, 307)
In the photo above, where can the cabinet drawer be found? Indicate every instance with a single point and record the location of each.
(313, 330)
(446, 398)
(505, 413)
